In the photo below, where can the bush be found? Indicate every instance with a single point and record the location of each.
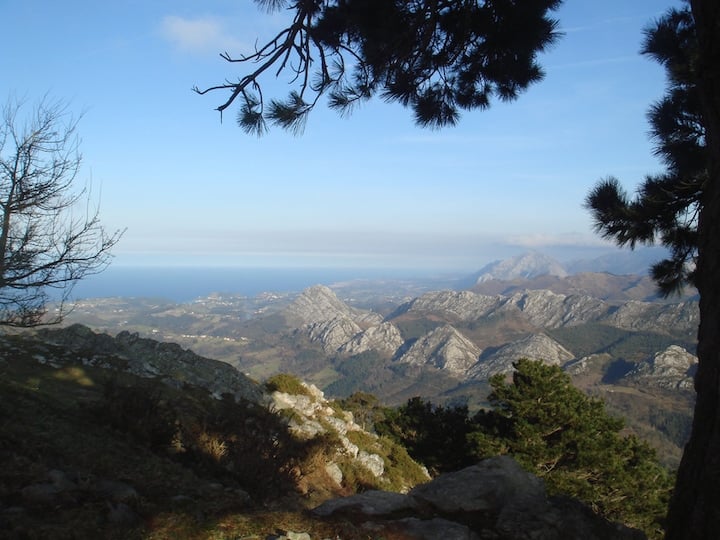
(554, 431)
(289, 384)
(245, 442)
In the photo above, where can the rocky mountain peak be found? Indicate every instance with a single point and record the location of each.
(455, 305)
(384, 338)
(673, 368)
(527, 266)
(533, 347)
(443, 348)
(319, 304)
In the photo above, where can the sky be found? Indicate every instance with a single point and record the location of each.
(371, 190)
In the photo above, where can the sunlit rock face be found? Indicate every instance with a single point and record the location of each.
(673, 368)
(443, 348)
(533, 347)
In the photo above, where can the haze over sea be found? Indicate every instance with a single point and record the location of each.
(186, 283)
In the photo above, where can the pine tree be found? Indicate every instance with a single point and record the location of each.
(666, 207)
(435, 56)
(557, 432)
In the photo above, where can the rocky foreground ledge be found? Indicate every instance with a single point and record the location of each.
(495, 499)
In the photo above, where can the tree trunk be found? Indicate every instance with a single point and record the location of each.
(695, 507)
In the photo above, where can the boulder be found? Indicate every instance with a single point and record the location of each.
(494, 499)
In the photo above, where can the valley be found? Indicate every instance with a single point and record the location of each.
(396, 341)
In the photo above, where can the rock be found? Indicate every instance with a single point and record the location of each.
(61, 480)
(495, 499)
(384, 338)
(444, 348)
(333, 470)
(333, 333)
(371, 462)
(121, 515)
(319, 304)
(673, 368)
(546, 309)
(372, 503)
(148, 358)
(533, 347)
(527, 265)
(288, 535)
(452, 305)
(488, 486)
(118, 492)
(429, 529)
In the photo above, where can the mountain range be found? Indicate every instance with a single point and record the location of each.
(610, 332)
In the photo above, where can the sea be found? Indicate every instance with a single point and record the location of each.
(184, 284)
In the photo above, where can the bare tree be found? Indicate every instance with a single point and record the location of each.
(50, 234)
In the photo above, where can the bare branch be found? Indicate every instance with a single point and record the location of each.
(44, 244)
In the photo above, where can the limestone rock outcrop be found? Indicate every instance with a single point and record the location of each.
(320, 304)
(310, 415)
(527, 266)
(673, 368)
(444, 348)
(547, 309)
(384, 338)
(452, 305)
(533, 347)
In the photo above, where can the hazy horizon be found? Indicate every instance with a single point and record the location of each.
(370, 190)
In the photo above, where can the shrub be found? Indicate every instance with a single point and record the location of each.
(554, 431)
(289, 384)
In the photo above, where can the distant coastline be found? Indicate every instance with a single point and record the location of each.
(186, 283)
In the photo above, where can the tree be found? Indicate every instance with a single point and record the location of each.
(434, 56)
(432, 434)
(681, 209)
(695, 507)
(554, 431)
(666, 207)
(48, 241)
(557, 432)
(416, 77)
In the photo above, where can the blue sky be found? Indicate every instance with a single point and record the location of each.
(369, 190)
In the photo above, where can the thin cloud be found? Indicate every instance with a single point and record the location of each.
(202, 34)
(557, 240)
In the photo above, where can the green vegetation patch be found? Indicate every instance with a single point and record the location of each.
(289, 384)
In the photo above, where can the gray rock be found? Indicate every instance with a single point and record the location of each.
(453, 305)
(527, 265)
(371, 462)
(121, 515)
(320, 304)
(372, 503)
(444, 348)
(149, 358)
(429, 529)
(333, 333)
(495, 499)
(488, 486)
(116, 491)
(333, 470)
(384, 338)
(673, 368)
(533, 347)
